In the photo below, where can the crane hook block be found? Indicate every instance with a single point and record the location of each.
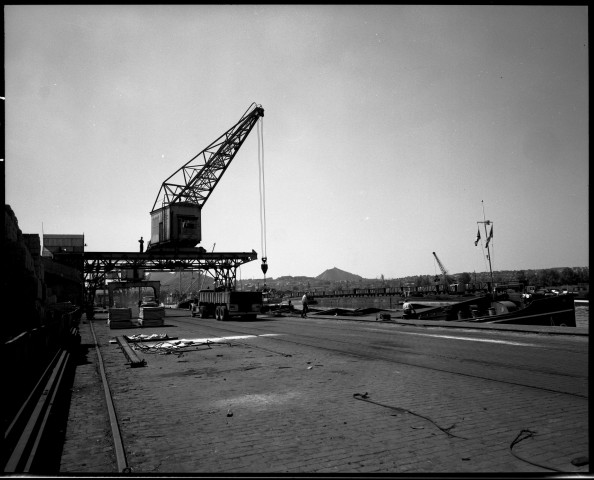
(264, 266)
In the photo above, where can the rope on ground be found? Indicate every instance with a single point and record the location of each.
(364, 397)
(523, 435)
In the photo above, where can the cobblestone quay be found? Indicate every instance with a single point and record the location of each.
(252, 405)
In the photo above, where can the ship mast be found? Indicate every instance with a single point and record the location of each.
(485, 223)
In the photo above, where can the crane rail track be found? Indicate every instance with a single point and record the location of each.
(377, 357)
(116, 434)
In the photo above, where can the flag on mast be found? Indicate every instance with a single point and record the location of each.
(490, 237)
(478, 237)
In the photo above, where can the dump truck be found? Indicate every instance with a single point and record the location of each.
(224, 305)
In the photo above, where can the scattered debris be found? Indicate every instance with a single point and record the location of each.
(148, 338)
(175, 346)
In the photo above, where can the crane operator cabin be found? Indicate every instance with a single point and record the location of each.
(178, 224)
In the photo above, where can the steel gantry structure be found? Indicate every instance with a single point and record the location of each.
(221, 266)
(176, 224)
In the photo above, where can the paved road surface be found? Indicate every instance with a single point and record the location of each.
(288, 395)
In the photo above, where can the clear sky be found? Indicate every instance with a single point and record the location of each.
(387, 128)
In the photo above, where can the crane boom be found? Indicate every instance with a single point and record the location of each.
(441, 267)
(176, 213)
(194, 182)
(444, 272)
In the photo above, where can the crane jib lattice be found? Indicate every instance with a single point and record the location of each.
(194, 182)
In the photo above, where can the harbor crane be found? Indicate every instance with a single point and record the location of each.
(444, 272)
(176, 213)
(176, 223)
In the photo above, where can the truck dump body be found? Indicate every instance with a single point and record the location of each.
(223, 305)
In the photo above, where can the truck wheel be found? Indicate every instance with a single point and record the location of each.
(224, 314)
(203, 313)
(218, 313)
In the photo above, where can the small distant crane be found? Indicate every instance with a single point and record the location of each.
(444, 272)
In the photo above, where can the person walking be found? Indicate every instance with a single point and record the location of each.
(304, 304)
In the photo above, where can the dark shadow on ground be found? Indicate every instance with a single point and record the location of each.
(47, 461)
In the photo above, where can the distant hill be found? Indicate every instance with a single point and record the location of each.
(338, 275)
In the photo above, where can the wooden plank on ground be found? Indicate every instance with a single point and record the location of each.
(130, 354)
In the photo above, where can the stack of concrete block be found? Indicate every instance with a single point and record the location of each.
(34, 246)
(120, 318)
(12, 232)
(151, 316)
(33, 243)
(23, 276)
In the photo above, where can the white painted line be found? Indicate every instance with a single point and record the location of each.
(486, 340)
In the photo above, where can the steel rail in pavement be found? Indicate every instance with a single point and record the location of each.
(115, 428)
